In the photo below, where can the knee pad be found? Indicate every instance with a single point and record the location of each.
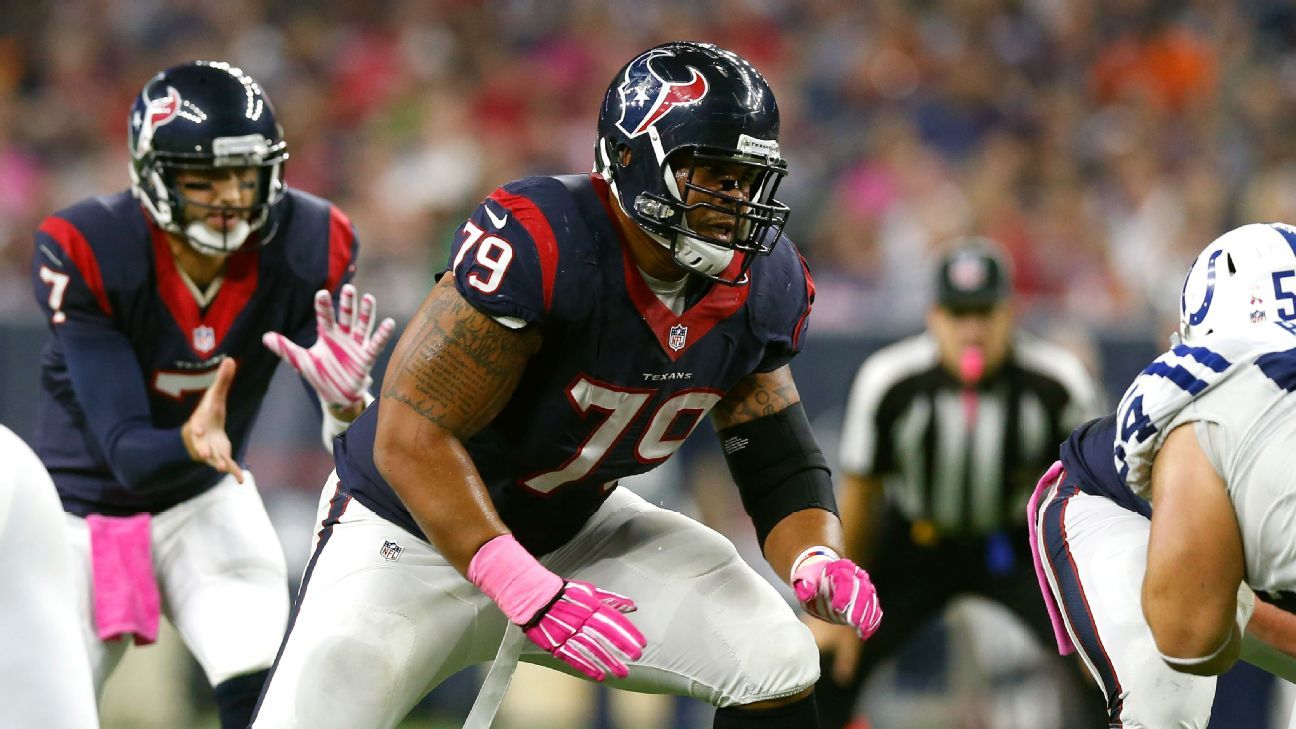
(781, 661)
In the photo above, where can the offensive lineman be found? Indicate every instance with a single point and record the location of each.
(586, 325)
(1160, 521)
(165, 306)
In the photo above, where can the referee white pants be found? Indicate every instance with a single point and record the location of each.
(383, 618)
(44, 671)
(1094, 554)
(222, 577)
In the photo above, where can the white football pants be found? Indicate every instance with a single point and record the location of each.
(1095, 555)
(383, 617)
(44, 670)
(222, 576)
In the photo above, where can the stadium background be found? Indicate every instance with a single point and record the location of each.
(1103, 143)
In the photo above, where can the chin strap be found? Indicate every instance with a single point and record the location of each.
(208, 241)
(701, 257)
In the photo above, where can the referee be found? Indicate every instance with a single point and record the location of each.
(945, 435)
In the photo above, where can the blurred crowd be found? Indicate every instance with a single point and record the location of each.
(1102, 142)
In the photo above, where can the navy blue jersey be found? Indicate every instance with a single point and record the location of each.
(619, 381)
(130, 352)
(1087, 457)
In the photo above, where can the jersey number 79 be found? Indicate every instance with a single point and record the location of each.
(494, 254)
(623, 408)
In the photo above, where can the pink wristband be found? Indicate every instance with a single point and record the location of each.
(514, 579)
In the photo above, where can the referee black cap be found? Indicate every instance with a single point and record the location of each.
(974, 275)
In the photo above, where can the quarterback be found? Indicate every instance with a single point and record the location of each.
(169, 305)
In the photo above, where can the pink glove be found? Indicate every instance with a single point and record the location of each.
(338, 364)
(582, 628)
(836, 590)
(575, 621)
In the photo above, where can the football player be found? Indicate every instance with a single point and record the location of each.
(169, 305)
(1162, 523)
(585, 325)
(44, 663)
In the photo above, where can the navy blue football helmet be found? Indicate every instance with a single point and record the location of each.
(204, 115)
(686, 106)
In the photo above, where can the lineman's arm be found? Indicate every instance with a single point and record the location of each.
(452, 372)
(1195, 563)
(861, 506)
(787, 490)
(762, 396)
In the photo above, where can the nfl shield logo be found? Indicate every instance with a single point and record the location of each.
(391, 551)
(678, 334)
(204, 339)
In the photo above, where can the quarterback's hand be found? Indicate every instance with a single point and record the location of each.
(204, 432)
(345, 350)
(585, 628)
(837, 591)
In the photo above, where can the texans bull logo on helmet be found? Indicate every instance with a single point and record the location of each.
(646, 96)
(160, 112)
(164, 109)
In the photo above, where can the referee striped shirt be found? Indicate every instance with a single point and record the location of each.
(963, 459)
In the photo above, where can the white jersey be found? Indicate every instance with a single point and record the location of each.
(1241, 394)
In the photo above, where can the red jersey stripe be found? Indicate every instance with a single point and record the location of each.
(799, 329)
(341, 248)
(537, 225)
(82, 255)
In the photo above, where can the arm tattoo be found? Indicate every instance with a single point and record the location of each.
(454, 365)
(755, 396)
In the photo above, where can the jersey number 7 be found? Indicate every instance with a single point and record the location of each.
(58, 286)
